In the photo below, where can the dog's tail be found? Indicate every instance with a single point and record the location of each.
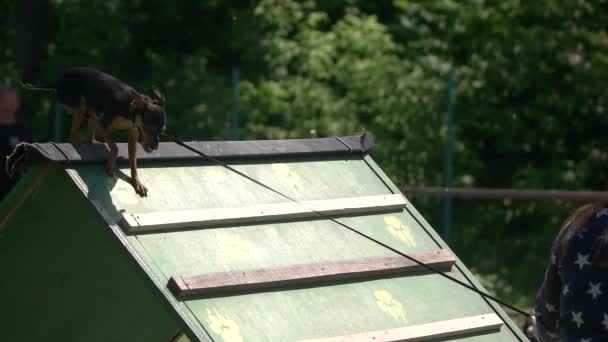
(38, 87)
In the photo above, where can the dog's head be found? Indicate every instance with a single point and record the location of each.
(152, 111)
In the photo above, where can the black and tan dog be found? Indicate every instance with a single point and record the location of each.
(92, 95)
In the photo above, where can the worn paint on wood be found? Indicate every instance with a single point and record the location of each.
(224, 283)
(344, 308)
(185, 186)
(333, 309)
(512, 329)
(182, 219)
(424, 332)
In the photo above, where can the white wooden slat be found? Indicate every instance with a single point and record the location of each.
(424, 332)
(261, 213)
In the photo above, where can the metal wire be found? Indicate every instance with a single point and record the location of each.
(422, 264)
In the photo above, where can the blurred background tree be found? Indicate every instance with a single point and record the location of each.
(530, 99)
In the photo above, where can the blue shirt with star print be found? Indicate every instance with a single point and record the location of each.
(572, 303)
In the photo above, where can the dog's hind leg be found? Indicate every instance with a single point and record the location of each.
(91, 127)
(77, 118)
(75, 130)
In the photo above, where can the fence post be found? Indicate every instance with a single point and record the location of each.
(448, 171)
(234, 123)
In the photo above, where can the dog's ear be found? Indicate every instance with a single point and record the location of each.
(138, 100)
(157, 97)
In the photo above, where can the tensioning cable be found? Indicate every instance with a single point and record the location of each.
(380, 243)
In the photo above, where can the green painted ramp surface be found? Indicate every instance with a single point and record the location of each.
(74, 233)
(288, 314)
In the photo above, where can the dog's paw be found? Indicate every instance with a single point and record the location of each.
(140, 189)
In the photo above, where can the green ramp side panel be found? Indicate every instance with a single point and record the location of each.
(64, 276)
(142, 263)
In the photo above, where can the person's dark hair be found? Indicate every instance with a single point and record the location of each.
(577, 220)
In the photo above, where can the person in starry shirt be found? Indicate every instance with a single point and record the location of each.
(11, 133)
(572, 303)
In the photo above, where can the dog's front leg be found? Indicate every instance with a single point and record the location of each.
(111, 163)
(91, 127)
(77, 117)
(137, 185)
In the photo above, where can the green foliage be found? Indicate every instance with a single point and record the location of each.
(530, 96)
(331, 77)
(8, 71)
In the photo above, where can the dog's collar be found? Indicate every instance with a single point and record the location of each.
(136, 111)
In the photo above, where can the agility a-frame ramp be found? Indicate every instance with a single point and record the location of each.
(215, 256)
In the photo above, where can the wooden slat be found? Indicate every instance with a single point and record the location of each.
(425, 332)
(260, 213)
(242, 149)
(228, 282)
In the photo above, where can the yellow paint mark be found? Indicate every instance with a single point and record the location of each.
(224, 326)
(399, 230)
(122, 191)
(286, 175)
(390, 305)
(232, 244)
